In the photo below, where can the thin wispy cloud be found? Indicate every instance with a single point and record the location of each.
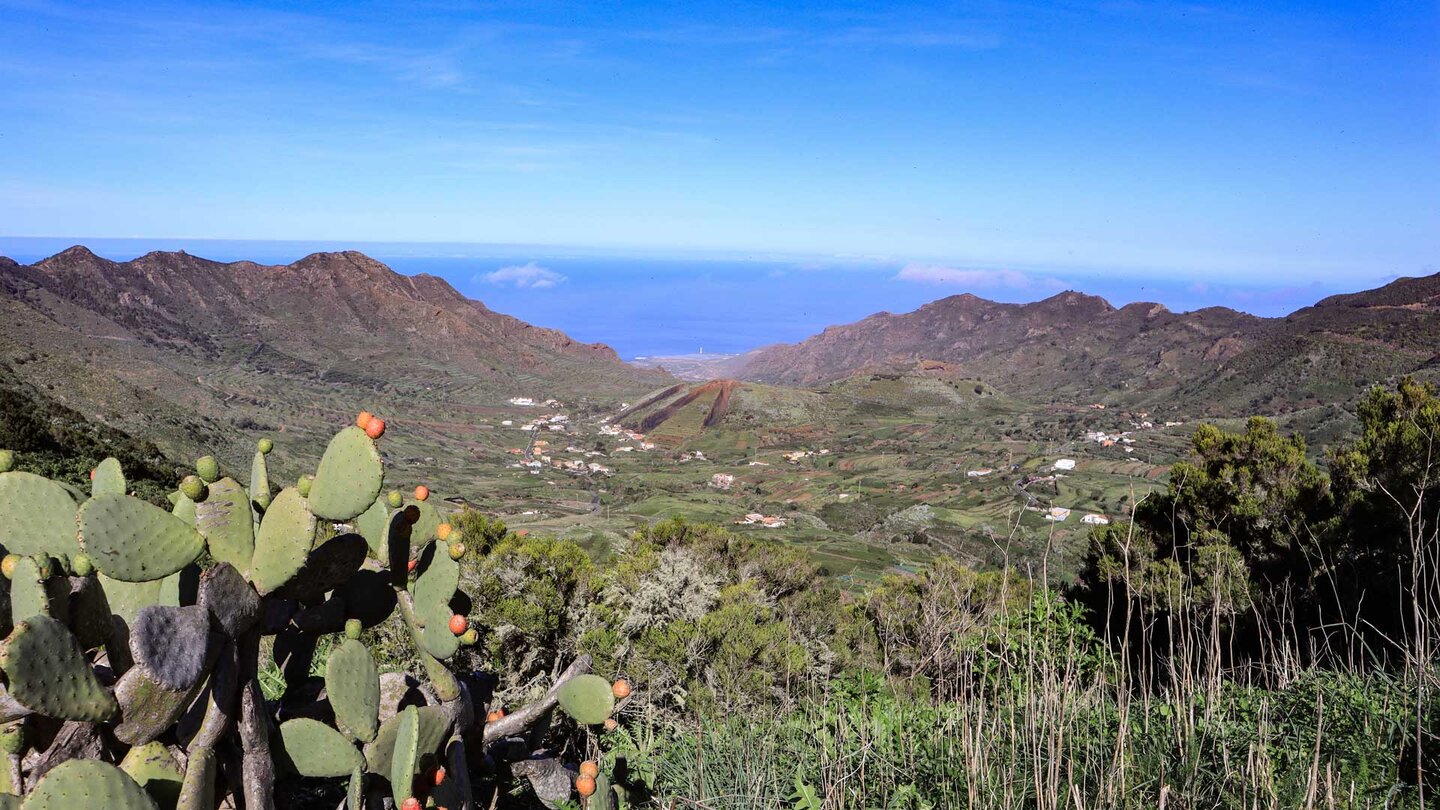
(942, 276)
(525, 276)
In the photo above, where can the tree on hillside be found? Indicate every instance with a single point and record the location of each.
(1231, 544)
(1387, 486)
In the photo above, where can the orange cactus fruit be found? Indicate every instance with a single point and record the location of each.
(459, 624)
(621, 688)
(443, 531)
(362, 421)
(585, 786)
(589, 768)
(376, 428)
(422, 492)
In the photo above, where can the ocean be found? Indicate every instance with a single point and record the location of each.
(656, 306)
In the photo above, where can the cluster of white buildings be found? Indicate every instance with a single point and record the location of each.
(795, 456)
(757, 519)
(638, 438)
(1059, 514)
(581, 467)
(531, 402)
(722, 480)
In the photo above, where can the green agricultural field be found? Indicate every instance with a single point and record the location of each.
(868, 475)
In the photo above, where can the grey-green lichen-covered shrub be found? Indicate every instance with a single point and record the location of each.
(130, 675)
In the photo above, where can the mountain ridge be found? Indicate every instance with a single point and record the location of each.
(226, 297)
(1073, 344)
(198, 354)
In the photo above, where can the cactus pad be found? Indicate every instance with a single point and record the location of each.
(37, 515)
(29, 595)
(433, 590)
(48, 673)
(326, 617)
(352, 683)
(225, 520)
(405, 756)
(154, 769)
(588, 699)
(369, 597)
(349, 477)
(315, 749)
(197, 792)
(328, 567)
(355, 795)
(184, 508)
(397, 547)
(436, 636)
(438, 579)
(372, 525)
(424, 529)
(109, 479)
(134, 541)
(283, 542)
(433, 729)
(147, 708)
(88, 783)
(90, 616)
(173, 643)
(259, 483)
(127, 598)
(229, 599)
(603, 798)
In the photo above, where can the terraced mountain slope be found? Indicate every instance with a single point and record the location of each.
(192, 353)
(1074, 346)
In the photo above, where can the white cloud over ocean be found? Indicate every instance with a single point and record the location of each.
(525, 276)
(941, 275)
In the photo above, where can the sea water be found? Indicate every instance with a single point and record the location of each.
(648, 305)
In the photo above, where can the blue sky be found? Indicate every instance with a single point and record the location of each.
(989, 145)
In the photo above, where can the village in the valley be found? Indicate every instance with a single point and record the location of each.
(886, 496)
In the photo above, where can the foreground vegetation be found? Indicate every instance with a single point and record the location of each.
(1261, 632)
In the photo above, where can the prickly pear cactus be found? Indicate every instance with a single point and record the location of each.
(37, 515)
(48, 674)
(589, 699)
(349, 477)
(82, 783)
(118, 638)
(134, 541)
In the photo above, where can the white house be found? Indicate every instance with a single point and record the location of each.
(1065, 464)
